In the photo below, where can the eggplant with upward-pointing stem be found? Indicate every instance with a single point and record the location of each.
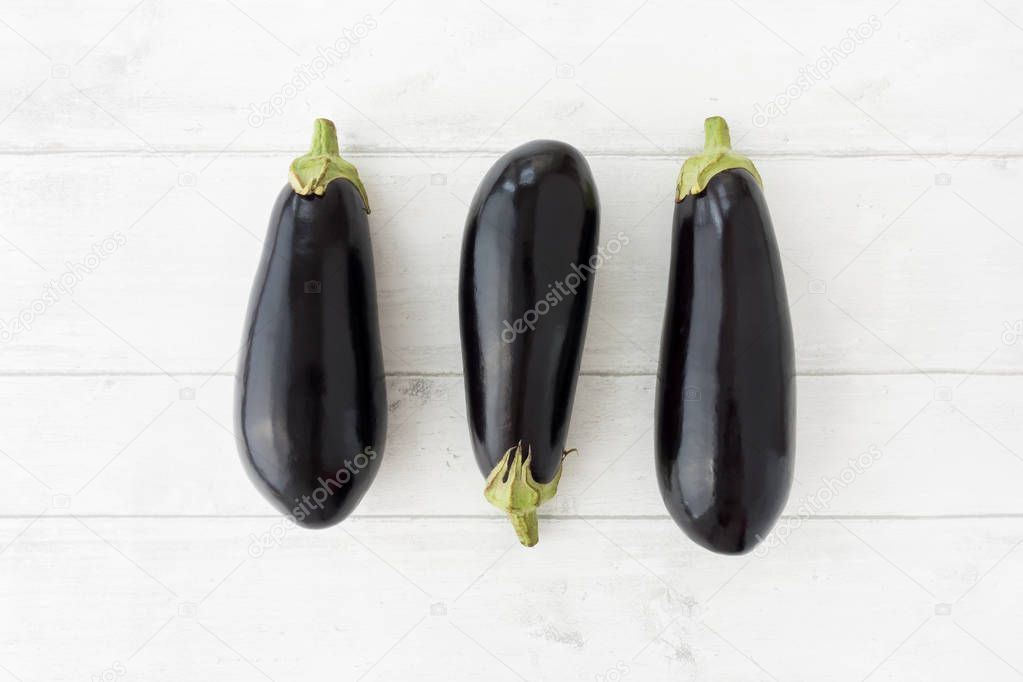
(524, 293)
(725, 403)
(310, 403)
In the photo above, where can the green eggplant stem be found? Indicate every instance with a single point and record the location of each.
(717, 156)
(716, 133)
(512, 489)
(526, 527)
(324, 139)
(310, 173)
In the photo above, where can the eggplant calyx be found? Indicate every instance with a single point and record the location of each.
(512, 489)
(717, 156)
(312, 172)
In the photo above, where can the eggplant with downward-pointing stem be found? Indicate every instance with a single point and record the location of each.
(725, 403)
(310, 403)
(528, 261)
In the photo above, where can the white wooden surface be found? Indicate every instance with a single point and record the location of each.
(131, 543)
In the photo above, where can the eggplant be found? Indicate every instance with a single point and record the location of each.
(725, 398)
(529, 256)
(310, 400)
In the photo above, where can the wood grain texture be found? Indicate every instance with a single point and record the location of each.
(464, 74)
(395, 599)
(886, 270)
(866, 446)
(141, 145)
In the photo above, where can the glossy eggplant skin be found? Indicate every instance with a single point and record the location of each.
(310, 400)
(532, 224)
(725, 405)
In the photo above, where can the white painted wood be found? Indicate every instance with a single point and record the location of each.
(886, 270)
(151, 446)
(397, 599)
(126, 522)
(463, 74)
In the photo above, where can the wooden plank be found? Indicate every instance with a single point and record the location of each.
(140, 163)
(397, 76)
(887, 271)
(392, 599)
(889, 445)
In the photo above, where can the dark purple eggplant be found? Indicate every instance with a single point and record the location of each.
(311, 408)
(528, 261)
(725, 402)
